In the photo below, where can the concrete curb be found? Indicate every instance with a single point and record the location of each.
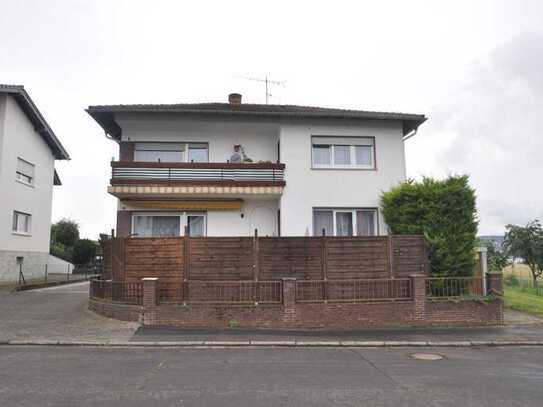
(257, 343)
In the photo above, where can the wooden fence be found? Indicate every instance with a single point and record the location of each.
(178, 259)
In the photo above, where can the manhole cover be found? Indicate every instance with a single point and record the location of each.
(426, 356)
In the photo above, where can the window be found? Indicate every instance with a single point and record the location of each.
(322, 155)
(342, 155)
(22, 222)
(198, 153)
(196, 225)
(345, 222)
(343, 152)
(162, 224)
(171, 152)
(323, 223)
(25, 172)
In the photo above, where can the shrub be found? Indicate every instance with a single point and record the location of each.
(61, 251)
(444, 212)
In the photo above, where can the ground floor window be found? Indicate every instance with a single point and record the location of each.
(344, 222)
(162, 224)
(21, 222)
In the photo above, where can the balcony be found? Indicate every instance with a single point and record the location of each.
(131, 178)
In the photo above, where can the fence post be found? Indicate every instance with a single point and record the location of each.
(256, 266)
(418, 286)
(46, 273)
(288, 313)
(256, 250)
(324, 266)
(186, 264)
(390, 254)
(150, 309)
(483, 267)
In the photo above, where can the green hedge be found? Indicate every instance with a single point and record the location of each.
(444, 212)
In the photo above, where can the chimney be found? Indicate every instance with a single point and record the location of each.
(234, 99)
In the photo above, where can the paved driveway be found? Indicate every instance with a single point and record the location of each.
(60, 376)
(57, 313)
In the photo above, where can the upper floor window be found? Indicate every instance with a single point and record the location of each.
(343, 152)
(25, 172)
(21, 222)
(171, 152)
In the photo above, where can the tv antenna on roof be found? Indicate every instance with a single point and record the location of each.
(267, 82)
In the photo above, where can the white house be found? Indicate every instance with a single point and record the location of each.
(28, 150)
(226, 169)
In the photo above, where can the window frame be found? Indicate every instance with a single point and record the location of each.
(19, 174)
(183, 219)
(354, 212)
(184, 153)
(352, 154)
(15, 223)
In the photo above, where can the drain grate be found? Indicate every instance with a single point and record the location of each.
(426, 356)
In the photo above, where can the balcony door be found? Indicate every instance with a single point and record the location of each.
(168, 224)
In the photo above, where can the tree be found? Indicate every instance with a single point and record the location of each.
(84, 251)
(526, 243)
(497, 259)
(66, 232)
(444, 212)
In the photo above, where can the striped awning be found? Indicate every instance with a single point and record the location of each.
(187, 205)
(128, 191)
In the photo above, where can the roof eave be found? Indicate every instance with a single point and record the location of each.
(106, 117)
(38, 121)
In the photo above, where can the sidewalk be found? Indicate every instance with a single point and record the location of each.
(375, 337)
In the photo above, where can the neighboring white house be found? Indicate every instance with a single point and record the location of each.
(28, 150)
(312, 170)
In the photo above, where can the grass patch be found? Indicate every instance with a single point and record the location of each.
(524, 299)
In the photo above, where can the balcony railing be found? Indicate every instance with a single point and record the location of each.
(250, 174)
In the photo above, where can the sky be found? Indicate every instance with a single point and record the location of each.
(475, 68)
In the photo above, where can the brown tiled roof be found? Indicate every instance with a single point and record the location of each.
(105, 114)
(41, 126)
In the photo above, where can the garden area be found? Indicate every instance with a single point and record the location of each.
(521, 295)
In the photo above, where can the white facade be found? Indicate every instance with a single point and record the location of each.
(307, 188)
(19, 142)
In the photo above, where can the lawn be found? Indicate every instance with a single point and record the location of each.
(524, 299)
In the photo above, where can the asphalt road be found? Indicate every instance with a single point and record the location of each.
(71, 376)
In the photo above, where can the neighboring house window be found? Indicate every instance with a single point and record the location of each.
(161, 224)
(171, 152)
(25, 172)
(345, 222)
(22, 222)
(343, 152)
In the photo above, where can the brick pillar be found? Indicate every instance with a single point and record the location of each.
(288, 313)
(494, 286)
(150, 307)
(418, 285)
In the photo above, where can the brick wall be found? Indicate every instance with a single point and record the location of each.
(291, 314)
(336, 316)
(115, 310)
